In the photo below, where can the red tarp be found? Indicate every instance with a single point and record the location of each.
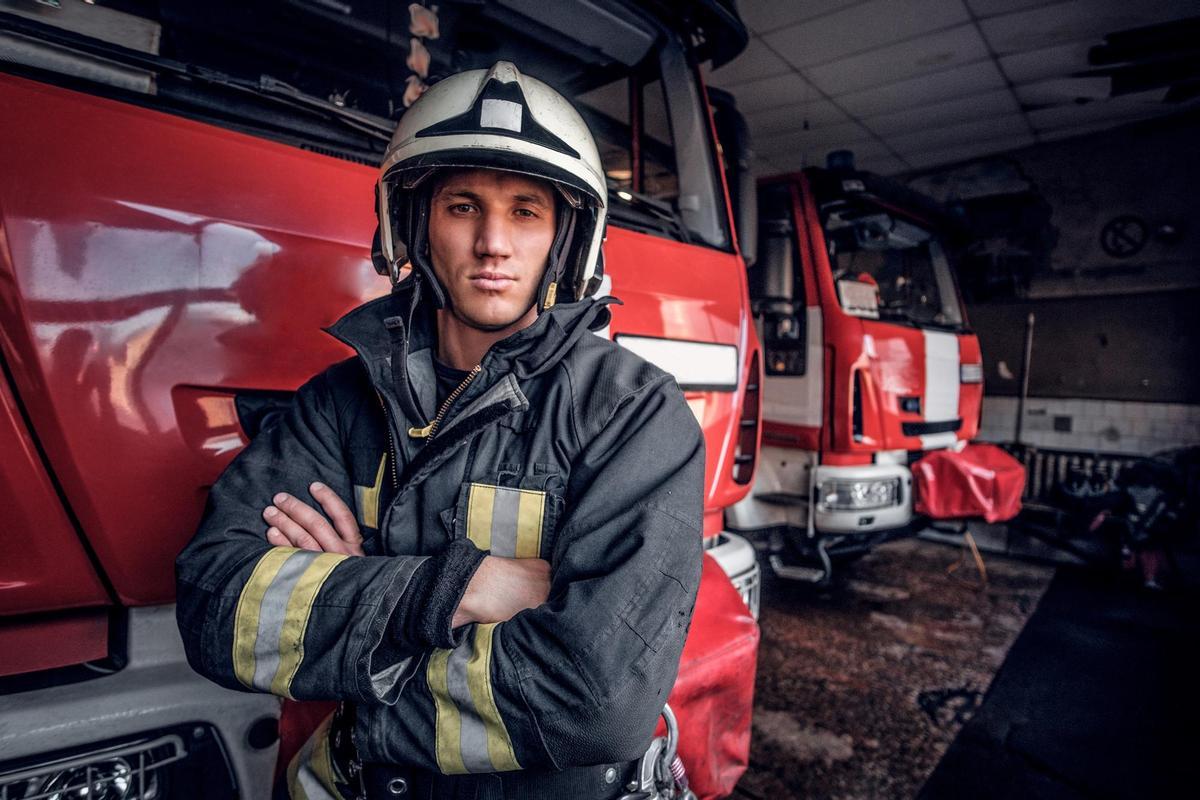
(981, 481)
(714, 693)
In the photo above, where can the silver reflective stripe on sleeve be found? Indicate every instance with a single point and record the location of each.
(470, 734)
(272, 616)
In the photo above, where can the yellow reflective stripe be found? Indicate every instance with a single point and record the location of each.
(245, 616)
(480, 502)
(448, 725)
(322, 759)
(529, 523)
(295, 789)
(479, 679)
(295, 621)
(367, 498)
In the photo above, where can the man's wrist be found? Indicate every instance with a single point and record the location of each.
(466, 612)
(425, 616)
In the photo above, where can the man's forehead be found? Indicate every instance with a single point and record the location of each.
(475, 181)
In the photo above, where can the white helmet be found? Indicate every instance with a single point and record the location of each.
(495, 119)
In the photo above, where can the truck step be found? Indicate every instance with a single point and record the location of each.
(796, 572)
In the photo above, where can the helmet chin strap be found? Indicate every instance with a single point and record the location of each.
(560, 251)
(418, 255)
(418, 252)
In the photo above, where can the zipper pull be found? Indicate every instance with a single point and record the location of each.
(420, 433)
(428, 431)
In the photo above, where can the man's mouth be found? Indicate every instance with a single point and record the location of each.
(492, 281)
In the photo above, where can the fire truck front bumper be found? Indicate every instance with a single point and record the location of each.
(739, 560)
(134, 733)
(862, 499)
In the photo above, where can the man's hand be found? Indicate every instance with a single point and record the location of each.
(501, 587)
(294, 523)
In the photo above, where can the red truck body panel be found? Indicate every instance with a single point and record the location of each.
(888, 357)
(45, 566)
(165, 263)
(152, 266)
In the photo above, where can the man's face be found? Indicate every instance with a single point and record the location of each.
(489, 238)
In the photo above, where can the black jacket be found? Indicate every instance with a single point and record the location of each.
(565, 447)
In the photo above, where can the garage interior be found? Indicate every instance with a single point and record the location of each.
(1054, 128)
(1049, 654)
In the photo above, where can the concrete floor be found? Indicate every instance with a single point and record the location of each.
(861, 688)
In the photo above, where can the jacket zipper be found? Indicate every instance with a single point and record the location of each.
(429, 430)
(391, 442)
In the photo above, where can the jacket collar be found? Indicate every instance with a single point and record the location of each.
(529, 352)
(526, 353)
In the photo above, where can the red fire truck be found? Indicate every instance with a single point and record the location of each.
(185, 200)
(869, 364)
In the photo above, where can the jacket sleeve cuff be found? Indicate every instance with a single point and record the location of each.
(423, 615)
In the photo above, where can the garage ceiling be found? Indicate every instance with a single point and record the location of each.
(913, 84)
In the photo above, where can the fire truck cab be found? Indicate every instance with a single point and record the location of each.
(869, 361)
(186, 199)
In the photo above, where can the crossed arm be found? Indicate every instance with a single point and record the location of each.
(498, 590)
(562, 669)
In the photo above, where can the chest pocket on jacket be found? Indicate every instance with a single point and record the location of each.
(504, 521)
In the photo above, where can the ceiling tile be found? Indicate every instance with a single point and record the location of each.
(1075, 20)
(767, 15)
(945, 137)
(814, 155)
(1063, 91)
(1047, 62)
(931, 53)
(997, 102)
(765, 93)
(882, 165)
(1111, 123)
(962, 152)
(990, 8)
(862, 28)
(824, 139)
(756, 61)
(976, 78)
(1081, 130)
(1117, 109)
(817, 113)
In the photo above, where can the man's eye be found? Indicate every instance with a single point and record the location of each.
(462, 208)
(527, 213)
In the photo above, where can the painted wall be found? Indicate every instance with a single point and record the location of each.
(1146, 172)
(1116, 354)
(1100, 426)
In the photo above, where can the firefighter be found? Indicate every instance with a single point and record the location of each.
(482, 534)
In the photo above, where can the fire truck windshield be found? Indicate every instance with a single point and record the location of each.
(332, 79)
(889, 268)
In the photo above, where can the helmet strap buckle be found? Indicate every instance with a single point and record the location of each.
(551, 295)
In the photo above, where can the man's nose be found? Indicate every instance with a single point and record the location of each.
(493, 237)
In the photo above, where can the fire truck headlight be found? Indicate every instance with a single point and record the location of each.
(971, 373)
(850, 495)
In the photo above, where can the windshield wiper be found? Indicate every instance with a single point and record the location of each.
(265, 87)
(659, 209)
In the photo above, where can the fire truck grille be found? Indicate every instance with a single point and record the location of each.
(180, 762)
(926, 428)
